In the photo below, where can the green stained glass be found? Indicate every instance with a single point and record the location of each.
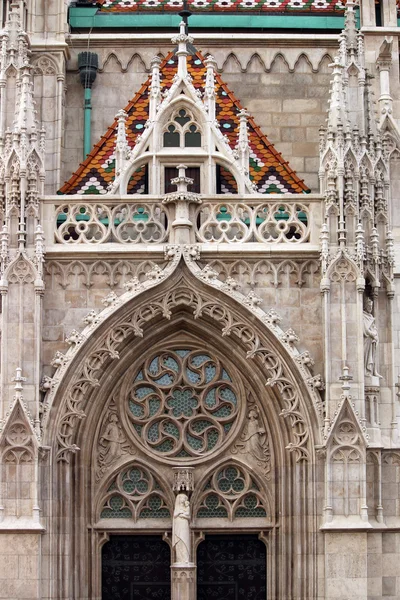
(154, 509)
(212, 508)
(249, 508)
(116, 509)
(183, 403)
(230, 480)
(194, 442)
(136, 409)
(134, 482)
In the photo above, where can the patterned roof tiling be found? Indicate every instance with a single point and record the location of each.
(198, 6)
(268, 170)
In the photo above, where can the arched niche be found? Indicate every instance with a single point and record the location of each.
(182, 312)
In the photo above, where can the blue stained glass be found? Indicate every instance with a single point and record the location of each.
(135, 409)
(171, 363)
(193, 377)
(200, 359)
(210, 373)
(225, 375)
(142, 392)
(139, 376)
(182, 353)
(210, 399)
(166, 379)
(153, 432)
(154, 366)
(228, 394)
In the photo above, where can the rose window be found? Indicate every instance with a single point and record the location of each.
(182, 403)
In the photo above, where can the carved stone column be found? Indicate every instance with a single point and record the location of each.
(182, 225)
(183, 570)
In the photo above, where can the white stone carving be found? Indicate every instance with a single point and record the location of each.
(181, 530)
(371, 340)
(233, 222)
(133, 223)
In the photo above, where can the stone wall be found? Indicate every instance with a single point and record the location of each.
(73, 288)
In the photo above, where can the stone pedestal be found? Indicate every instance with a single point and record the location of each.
(183, 581)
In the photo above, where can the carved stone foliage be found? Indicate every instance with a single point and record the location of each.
(231, 493)
(112, 443)
(88, 375)
(78, 274)
(284, 273)
(135, 493)
(182, 403)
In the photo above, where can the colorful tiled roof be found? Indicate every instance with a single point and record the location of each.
(307, 6)
(268, 170)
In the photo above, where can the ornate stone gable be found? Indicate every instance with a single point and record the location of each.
(267, 169)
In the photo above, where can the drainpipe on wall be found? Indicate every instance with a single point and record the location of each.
(88, 63)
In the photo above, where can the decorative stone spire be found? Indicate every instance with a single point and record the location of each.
(354, 171)
(242, 146)
(209, 88)
(182, 53)
(155, 88)
(22, 171)
(121, 146)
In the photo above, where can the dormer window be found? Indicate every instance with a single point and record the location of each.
(182, 132)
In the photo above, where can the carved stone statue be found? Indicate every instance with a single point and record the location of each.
(111, 441)
(255, 436)
(371, 340)
(254, 440)
(181, 530)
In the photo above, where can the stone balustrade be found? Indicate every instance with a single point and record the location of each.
(287, 220)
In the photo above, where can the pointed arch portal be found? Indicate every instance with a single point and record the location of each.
(179, 373)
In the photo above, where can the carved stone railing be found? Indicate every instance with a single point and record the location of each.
(271, 222)
(287, 220)
(98, 223)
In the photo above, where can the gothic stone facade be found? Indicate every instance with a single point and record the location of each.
(211, 362)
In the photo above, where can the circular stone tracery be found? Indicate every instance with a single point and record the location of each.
(182, 403)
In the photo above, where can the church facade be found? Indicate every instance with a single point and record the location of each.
(200, 319)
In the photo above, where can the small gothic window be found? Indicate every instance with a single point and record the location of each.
(182, 132)
(192, 137)
(171, 138)
(182, 118)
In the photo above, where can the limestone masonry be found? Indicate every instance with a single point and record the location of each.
(200, 307)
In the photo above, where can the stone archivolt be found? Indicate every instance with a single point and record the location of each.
(203, 306)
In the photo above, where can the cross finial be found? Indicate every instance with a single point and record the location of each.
(185, 14)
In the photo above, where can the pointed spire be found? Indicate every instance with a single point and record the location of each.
(121, 145)
(182, 53)
(155, 87)
(209, 88)
(243, 146)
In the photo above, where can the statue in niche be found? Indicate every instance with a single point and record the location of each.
(254, 440)
(112, 444)
(371, 339)
(181, 530)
